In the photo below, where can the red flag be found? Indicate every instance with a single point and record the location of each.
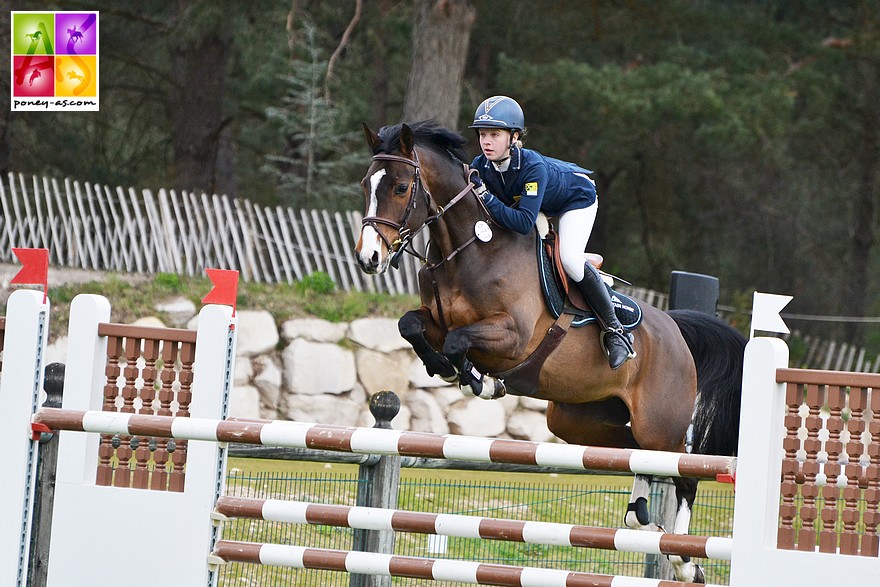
(34, 268)
(225, 288)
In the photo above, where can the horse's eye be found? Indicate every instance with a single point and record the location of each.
(400, 189)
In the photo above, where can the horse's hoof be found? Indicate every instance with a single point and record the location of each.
(686, 570)
(499, 388)
(488, 388)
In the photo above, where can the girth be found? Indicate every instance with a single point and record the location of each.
(524, 378)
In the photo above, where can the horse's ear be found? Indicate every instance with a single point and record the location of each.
(373, 140)
(406, 141)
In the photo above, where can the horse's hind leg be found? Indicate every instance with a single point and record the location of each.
(638, 518)
(412, 327)
(603, 423)
(683, 567)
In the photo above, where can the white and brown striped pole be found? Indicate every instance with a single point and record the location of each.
(473, 573)
(551, 534)
(392, 442)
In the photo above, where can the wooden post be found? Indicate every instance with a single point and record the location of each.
(44, 497)
(378, 485)
(663, 509)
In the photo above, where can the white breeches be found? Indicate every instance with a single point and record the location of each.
(575, 227)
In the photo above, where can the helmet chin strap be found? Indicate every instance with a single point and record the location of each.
(503, 162)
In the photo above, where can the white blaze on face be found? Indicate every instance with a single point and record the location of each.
(371, 242)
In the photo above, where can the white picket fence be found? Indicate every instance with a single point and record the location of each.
(90, 226)
(836, 356)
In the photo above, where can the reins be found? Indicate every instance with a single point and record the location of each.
(451, 203)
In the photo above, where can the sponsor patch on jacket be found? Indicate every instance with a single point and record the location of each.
(532, 188)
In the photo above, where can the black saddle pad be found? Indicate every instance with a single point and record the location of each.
(627, 309)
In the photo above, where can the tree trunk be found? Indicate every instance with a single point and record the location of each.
(203, 147)
(381, 75)
(440, 46)
(863, 218)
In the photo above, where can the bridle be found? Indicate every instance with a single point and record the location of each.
(405, 235)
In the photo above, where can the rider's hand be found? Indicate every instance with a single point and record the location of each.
(479, 186)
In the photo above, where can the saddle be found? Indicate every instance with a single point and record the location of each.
(570, 310)
(562, 298)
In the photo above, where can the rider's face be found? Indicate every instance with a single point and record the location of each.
(495, 143)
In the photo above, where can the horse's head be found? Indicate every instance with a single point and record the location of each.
(392, 191)
(398, 200)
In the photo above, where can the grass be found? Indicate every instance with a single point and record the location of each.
(257, 466)
(314, 296)
(598, 500)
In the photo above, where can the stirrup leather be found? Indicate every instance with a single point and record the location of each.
(624, 336)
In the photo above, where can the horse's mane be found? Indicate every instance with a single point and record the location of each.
(426, 133)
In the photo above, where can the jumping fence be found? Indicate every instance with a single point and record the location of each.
(587, 499)
(807, 477)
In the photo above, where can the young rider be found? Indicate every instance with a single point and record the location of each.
(517, 183)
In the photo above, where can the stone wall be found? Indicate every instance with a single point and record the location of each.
(312, 370)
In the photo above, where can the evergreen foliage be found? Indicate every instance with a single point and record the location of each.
(319, 158)
(728, 137)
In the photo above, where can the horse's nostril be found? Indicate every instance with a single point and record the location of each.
(374, 259)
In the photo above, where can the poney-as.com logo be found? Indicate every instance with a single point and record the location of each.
(54, 61)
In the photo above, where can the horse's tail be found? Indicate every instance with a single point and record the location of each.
(718, 351)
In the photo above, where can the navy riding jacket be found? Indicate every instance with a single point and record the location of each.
(533, 183)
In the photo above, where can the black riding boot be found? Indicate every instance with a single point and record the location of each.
(614, 340)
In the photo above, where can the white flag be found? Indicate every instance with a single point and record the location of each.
(765, 313)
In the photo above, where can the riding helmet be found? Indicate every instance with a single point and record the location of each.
(499, 112)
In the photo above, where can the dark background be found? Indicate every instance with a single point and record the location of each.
(730, 137)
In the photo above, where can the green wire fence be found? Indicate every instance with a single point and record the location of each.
(558, 498)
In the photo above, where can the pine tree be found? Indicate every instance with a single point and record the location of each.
(319, 165)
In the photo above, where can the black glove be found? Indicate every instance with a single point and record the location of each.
(477, 182)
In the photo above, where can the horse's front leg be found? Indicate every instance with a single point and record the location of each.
(413, 327)
(637, 515)
(496, 336)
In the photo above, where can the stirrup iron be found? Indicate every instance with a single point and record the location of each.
(623, 336)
